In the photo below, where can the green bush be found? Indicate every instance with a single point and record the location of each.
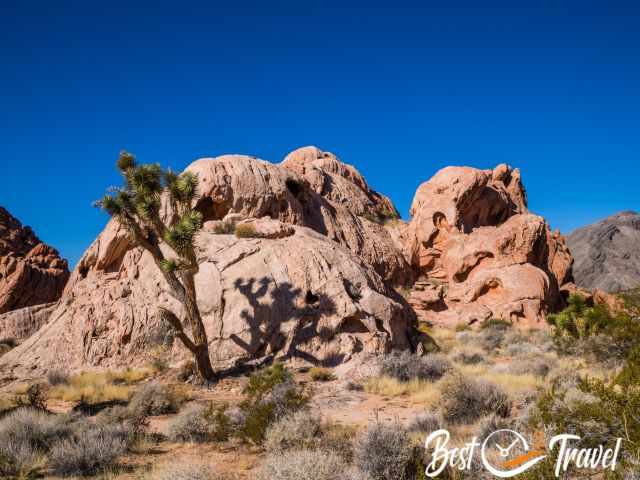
(597, 410)
(271, 394)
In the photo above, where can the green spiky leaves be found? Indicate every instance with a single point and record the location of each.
(137, 207)
(181, 236)
(169, 265)
(126, 161)
(182, 188)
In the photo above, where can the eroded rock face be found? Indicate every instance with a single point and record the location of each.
(31, 273)
(299, 294)
(24, 322)
(310, 275)
(478, 253)
(348, 211)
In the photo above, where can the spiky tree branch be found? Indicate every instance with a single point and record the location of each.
(136, 206)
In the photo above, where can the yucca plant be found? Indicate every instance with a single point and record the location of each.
(136, 206)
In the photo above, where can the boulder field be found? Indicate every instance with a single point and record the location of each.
(328, 271)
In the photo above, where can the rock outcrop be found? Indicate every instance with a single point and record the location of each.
(310, 271)
(478, 253)
(31, 273)
(22, 323)
(296, 284)
(607, 253)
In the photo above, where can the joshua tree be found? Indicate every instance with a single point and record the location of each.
(136, 206)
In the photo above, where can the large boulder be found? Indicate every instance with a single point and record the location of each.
(290, 291)
(350, 212)
(31, 273)
(478, 253)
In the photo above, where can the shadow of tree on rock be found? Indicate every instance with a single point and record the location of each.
(272, 305)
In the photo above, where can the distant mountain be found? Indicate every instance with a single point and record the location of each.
(607, 253)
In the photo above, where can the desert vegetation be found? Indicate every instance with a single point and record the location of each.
(281, 424)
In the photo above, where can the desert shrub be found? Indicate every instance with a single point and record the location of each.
(521, 349)
(491, 339)
(468, 356)
(224, 228)
(298, 430)
(353, 386)
(464, 400)
(538, 366)
(26, 434)
(321, 374)
(57, 377)
(385, 452)
(303, 465)
(245, 230)
(34, 397)
(201, 423)
(89, 450)
(185, 471)
(405, 366)
(426, 422)
(496, 324)
(159, 355)
(493, 423)
(154, 399)
(189, 426)
(462, 327)
(338, 438)
(271, 394)
(29, 428)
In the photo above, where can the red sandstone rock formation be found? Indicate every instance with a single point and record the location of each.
(478, 253)
(296, 287)
(31, 273)
(314, 278)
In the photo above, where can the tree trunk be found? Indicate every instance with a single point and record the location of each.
(199, 333)
(203, 363)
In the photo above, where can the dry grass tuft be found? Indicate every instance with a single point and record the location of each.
(96, 387)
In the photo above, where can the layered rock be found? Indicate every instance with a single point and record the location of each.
(607, 253)
(22, 323)
(31, 273)
(478, 253)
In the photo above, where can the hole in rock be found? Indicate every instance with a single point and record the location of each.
(310, 298)
(211, 210)
(294, 187)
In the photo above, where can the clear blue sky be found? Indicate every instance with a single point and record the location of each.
(400, 90)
